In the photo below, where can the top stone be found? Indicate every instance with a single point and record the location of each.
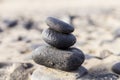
(59, 25)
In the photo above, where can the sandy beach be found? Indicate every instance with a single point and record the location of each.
(96, 23)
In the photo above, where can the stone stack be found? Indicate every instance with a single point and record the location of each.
(59, 54)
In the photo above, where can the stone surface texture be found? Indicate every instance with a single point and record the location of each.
(59, 25)
(58, 40)
(66, 60)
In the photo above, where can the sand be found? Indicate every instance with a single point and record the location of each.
(95, 22)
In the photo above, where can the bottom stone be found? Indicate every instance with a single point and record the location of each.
(44, 73)
(67, 60)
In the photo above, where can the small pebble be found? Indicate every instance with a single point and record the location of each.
(59, 25)
(11, 23)
(24, 51)
(1, 30)
(23, 38)
(20, 38)
(67, 60)
(29, 24)
(4, 64)
(116, 68)
(28, 41)
(58, 40)
(27, 65)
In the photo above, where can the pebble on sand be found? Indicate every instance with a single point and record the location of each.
(11, 23)
(59, 25)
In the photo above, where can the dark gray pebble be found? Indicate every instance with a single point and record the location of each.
(28, 24)
(59, 25)
(20, 38)
(23, 38)
(58, 40)
(116, 68)
(4, 64)
(67, 60)
(28, 41)
(27, 65)
(11, 23)
(1, 30)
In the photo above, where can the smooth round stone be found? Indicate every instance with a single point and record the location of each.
(116, 68)
(58, 40)
(44, 73)
(67, 60)
(59, 25)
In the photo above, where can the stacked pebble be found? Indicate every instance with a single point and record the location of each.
(58, 54)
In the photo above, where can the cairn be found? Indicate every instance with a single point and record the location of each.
(58, 55)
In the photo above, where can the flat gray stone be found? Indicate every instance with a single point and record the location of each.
(58, 40)
(59, 25)
(44, 73)
(67, 60)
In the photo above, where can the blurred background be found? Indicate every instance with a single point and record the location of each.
(96, 23)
